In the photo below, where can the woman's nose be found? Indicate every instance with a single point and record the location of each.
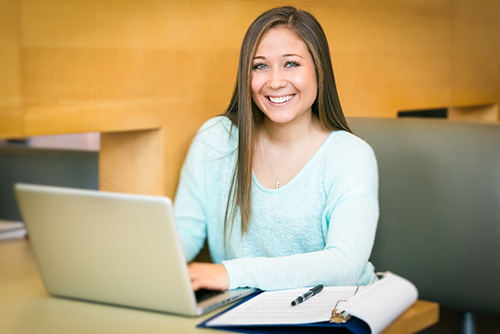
(276, 79)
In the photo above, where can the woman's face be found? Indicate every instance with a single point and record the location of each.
(284, 84)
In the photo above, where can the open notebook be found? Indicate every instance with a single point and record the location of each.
(344, 309)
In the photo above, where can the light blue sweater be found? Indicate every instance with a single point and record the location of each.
(318, 228)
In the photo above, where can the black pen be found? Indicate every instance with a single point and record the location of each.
(312, 292)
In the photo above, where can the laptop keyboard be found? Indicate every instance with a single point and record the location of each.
(203, 294)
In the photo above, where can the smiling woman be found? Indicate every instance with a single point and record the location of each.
(285, 195)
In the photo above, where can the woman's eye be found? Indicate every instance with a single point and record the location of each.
(259, 66)
(291, 64)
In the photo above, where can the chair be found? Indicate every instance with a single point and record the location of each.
(440, 209)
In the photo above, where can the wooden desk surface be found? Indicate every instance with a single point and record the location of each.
(25, 307)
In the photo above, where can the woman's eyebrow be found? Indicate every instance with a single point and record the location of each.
(292, 55)
(283, 56)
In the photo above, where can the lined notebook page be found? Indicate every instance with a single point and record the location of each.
(273, 308)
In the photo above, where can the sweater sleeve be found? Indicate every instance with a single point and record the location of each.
(190, 199)
(351, 214)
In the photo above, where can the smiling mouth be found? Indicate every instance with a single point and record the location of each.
(280, 99)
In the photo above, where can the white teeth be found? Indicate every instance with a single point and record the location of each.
(280, 99)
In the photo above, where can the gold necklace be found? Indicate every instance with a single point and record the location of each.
(278, 181)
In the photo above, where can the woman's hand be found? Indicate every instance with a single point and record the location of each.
(208, 276)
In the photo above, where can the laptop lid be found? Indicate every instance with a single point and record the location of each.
(114, 248)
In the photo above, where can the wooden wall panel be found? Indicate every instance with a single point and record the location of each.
(10, 84)
(142, 162)
(390, 55)
(476, 51)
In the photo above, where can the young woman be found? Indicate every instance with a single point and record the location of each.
(285, 194)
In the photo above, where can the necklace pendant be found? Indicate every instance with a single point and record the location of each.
(277, 185)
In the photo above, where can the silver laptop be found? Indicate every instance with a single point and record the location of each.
(112, 248)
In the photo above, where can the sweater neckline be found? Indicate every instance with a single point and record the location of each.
(298, 175)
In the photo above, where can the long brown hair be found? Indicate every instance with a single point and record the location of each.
(245, 115)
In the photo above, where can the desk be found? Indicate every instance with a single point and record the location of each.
(25, 307)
